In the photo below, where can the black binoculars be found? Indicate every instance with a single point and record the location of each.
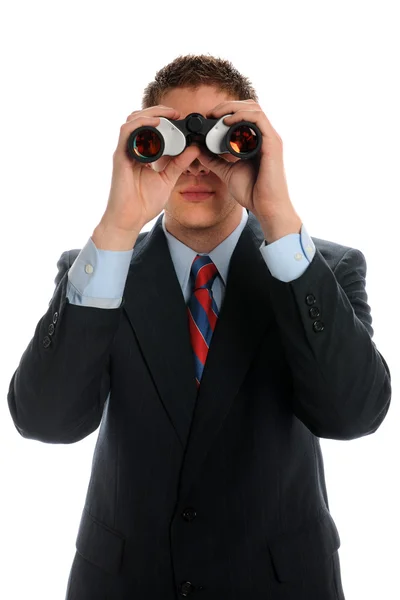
(170, 138)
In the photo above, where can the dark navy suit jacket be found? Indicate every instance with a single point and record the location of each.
(220, 495)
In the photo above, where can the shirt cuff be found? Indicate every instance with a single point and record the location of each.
(288, 258)
(97, 277)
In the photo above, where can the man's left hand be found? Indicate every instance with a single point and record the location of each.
(258, 184)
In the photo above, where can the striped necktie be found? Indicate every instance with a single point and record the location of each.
(202, 311)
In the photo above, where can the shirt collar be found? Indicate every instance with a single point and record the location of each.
(182, 256)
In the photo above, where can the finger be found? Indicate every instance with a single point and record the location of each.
(259, 118)
(229, 157)
(225, 108)
(178, 164)
(157, 111)
(217, 165)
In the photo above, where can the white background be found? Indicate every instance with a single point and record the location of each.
(327, 76)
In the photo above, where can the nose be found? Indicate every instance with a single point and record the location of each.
(195, 168)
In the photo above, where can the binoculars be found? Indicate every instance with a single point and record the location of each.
(170, 138)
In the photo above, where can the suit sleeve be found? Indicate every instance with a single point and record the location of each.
(57, 393)
(342, 384)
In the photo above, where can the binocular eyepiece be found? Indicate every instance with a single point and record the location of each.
(170, 138)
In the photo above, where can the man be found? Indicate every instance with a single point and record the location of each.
(207, 478)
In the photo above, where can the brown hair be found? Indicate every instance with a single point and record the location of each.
(196, 70)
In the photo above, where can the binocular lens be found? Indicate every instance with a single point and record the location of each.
(147, 144)
(243, 139)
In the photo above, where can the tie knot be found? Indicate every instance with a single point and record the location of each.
(203, 272)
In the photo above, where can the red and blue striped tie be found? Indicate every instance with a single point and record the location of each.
(202, 311)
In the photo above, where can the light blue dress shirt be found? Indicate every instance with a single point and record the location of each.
(97, 277)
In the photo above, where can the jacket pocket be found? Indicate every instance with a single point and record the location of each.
(296, 554)
(99, 544)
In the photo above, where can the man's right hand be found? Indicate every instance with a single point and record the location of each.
(138, 192)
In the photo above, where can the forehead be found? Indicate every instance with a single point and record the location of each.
(201, 99)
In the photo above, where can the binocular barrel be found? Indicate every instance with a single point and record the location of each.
(170, 138)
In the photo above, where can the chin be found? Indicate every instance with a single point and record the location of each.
(201, 213)
(198, 218)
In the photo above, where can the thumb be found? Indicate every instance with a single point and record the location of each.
(216, 164)
(175, 166)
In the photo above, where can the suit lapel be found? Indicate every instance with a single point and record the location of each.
(156, 309)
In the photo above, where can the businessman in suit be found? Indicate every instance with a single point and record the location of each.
(214, 351)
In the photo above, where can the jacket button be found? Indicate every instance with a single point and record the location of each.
(186, 588)
(46, 341)
(55, 317)
(314, 312)
(51, 328)
(310, 299)
(318, 326)
(189, 514)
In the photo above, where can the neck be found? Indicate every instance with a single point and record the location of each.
(203, 238)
